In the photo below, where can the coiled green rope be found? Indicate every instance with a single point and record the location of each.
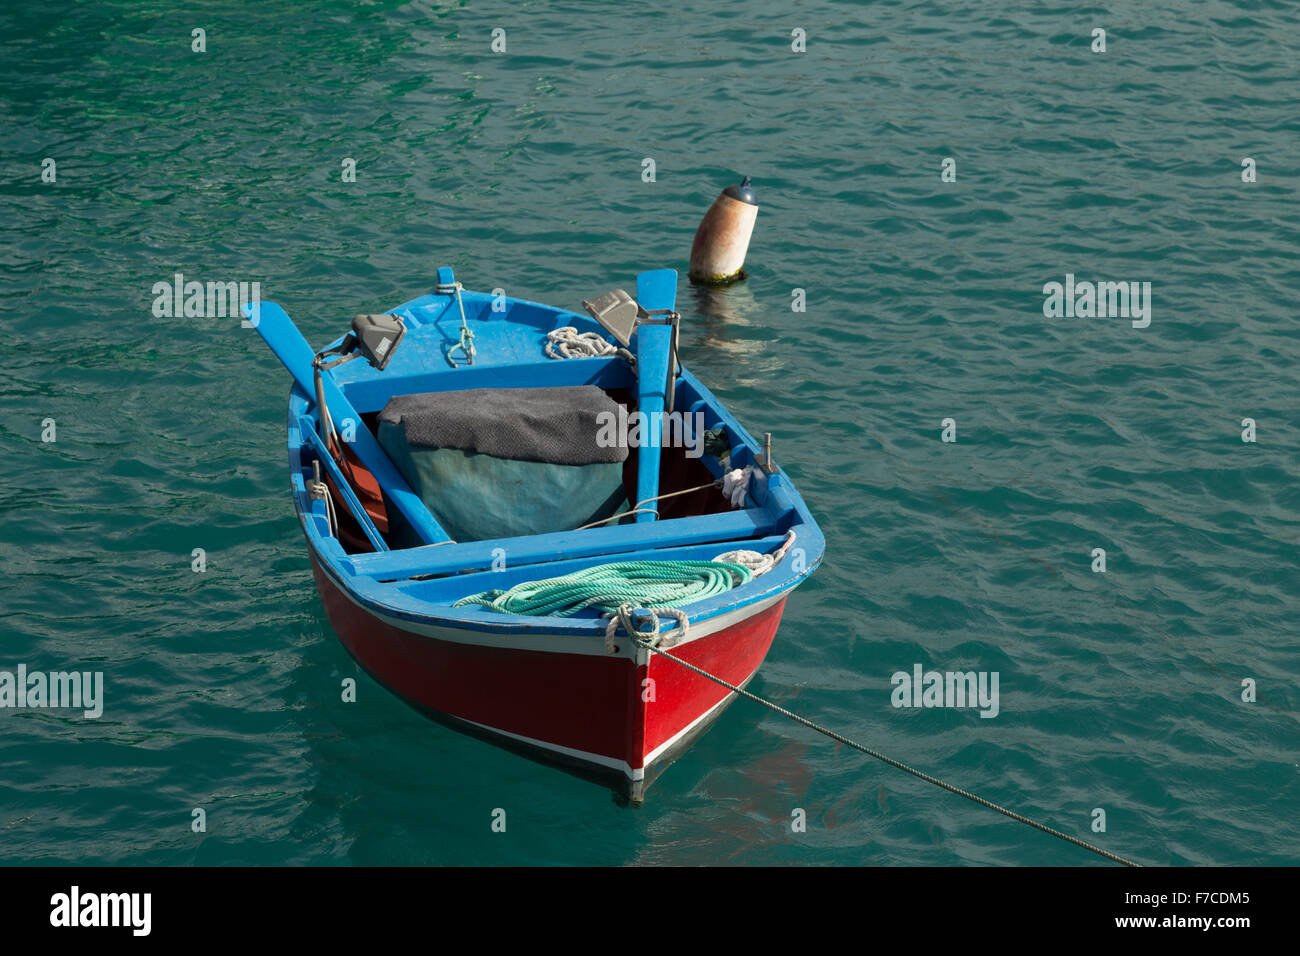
(609, 586)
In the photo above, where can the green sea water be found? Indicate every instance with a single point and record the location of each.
(1120, 691)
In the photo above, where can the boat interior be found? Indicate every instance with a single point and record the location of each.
(375, 525)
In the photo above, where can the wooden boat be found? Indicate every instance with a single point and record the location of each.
(555, 688)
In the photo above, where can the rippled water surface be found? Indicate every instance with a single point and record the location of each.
(1120, 691)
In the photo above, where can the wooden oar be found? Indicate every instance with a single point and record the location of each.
(656, 289)
(289, 346)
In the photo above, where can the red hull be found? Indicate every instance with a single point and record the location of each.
(592, 712)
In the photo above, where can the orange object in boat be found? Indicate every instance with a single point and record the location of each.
(363, 484)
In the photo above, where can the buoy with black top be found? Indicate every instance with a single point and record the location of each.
(721, 242)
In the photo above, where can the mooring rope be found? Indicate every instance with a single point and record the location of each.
(625, 617)
(648, 645)
(655, 586)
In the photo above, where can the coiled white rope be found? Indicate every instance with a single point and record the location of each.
(756, 562)
(568, 342)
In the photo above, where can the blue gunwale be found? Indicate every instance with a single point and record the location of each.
(419, 584)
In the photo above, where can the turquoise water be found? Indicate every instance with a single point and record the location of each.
(523, 170)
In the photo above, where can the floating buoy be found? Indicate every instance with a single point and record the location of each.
(721, 242)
